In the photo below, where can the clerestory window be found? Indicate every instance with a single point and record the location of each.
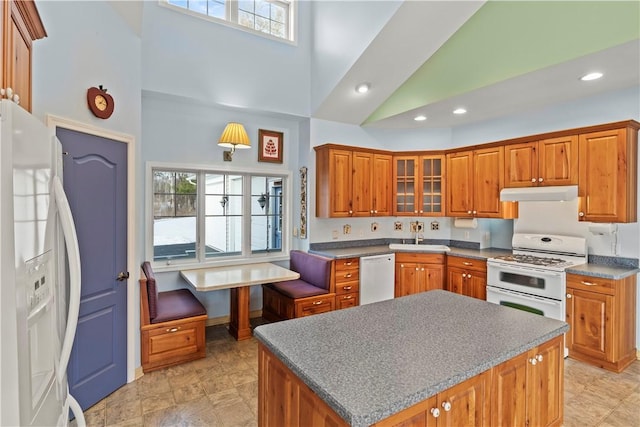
(271, 17)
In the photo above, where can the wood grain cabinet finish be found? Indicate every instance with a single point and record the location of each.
(417, 272)
(528, 389)
(602, 316)
(21, 25)
(419, 185)
(352, 183)
(467, 276)
(607, 184)
(474, 181)
(347, 280)
(548, 162)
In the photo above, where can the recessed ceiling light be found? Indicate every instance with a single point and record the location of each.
(459, 111)
(420, 118)
(363, 88)
(591, 76)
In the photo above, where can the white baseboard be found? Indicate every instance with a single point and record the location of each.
(638, 354)
(138, 373)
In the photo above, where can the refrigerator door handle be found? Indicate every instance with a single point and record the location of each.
(73, 251)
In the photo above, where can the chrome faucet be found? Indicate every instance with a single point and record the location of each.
(418, 238)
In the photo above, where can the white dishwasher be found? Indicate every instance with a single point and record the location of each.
(377, 276)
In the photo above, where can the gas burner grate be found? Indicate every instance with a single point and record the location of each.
(531, 259)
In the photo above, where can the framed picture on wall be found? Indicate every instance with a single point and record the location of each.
(270, 146)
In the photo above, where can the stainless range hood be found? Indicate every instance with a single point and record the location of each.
(539, 194)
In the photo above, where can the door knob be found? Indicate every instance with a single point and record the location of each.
(122, 276)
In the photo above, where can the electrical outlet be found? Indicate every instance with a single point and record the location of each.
(420, 227)
(435, 225)
(466, 234)
(334, 234)
(346, 229)
(374, 226)
(295, 231)
(397, 226)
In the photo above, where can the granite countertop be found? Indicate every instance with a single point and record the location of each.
(604, 271)
(371, 361)
(607, 271)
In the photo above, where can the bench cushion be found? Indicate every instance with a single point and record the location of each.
(313, 269)
(152, 290)
(178, 304)
(297, 289)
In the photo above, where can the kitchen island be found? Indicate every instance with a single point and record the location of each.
(433, 354)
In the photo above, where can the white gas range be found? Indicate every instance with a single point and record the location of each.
(533, 277)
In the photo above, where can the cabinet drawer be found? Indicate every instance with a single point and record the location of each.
(321, 304)
(420, 258)
(593, 284)
(347, 287)
(175, 341)
(346, 300)
(345, 264)
(467, 263)
(347, 277)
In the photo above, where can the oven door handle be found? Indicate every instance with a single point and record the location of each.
(521, 295)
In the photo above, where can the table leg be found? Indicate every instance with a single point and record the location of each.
(239, 327)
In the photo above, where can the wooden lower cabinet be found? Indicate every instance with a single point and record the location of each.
(526, 390)
(347, 280)
(418, 272)
(602, 318)
(467, 276)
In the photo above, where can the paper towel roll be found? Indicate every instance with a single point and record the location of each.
(465, 223)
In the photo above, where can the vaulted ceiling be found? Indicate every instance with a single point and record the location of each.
(492, 58)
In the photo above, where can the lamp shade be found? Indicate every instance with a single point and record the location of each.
(234, 136)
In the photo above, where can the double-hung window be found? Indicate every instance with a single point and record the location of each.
(203, 216)
(271, 17)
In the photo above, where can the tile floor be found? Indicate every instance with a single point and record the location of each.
(221, 390)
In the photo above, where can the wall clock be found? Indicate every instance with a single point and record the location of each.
(100, 102)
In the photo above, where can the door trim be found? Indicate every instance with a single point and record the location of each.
(53, 122)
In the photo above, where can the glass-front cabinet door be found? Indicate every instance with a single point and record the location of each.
(418, 185)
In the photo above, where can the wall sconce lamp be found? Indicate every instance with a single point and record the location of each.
(234, 136)
(262, 201)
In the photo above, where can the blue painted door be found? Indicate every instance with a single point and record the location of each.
(95, 180)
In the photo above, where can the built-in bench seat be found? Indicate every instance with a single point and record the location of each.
(172, 324)
(312, 293)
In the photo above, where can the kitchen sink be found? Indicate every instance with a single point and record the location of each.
(418, 247)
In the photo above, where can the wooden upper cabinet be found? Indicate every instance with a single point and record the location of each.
(551, 161)
(382, 189)
(474, 181)
(352, 182)
(419, 185)
(607, 185)
(21, 25)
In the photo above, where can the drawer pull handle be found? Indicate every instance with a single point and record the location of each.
(588, 283)
(347, 263)
(347, 288)
(173, 329)
(317, 302)
(348, 297)
(467, 263)
(347, 275)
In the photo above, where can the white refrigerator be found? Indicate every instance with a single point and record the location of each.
(39, 273)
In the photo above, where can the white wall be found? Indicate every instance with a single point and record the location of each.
(191, 57)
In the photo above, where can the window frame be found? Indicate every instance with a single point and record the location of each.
(232, 13)
(201, 261)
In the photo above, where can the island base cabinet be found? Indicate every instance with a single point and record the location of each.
(528, 389)
(284, 400)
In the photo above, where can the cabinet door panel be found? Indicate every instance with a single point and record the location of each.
(469, 403)
(591, 327)
(382, 175)
(459, 184)
(362, 183)
(488, 181)
(406, 279)
(558, 161)
(432, 277)
(340, 175)
(432, 186)
(508, 393)
(456, 279)
(545, 384)
(604, 180)
(520, 165)
(405, 172)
